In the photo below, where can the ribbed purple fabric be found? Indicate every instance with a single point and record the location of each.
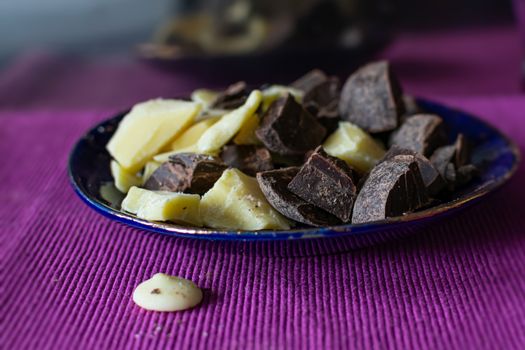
(67, 273)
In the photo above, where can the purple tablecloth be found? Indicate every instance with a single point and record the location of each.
(67, 273)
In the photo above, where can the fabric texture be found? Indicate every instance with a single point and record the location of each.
(67, 273)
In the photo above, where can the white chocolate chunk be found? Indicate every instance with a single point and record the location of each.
(163, 206)
(204, 97)
(273, 92)
(211, 113)
(353, 145)
(149, 169)
(147, 128)
(123, 179)
(246, 135)
(187, 141)
(236, 202)
(190, 137)
(167, 293)
(225, 129)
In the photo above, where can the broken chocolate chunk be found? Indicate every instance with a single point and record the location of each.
(451, 162)
(282, 161)
(465, 173)
(310, 80)
(372, 99)
(322, 101)
(421, 133)
(321, 97)
(457, 154)
(248, 159)
(411, 106)
(432, 179)
(442, 157)
(462, 154)
(233, 97)
(326, 182)
(274, 184)
(394, 187)
(186, 172)
(288, 129)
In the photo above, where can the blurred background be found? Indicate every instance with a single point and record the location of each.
(168, 47)
(112, 26)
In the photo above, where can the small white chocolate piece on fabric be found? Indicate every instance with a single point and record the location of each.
(225, 129)
(123, 179)
(149, 169)
(167, 293)
(148, 128)
(353, 145)
(236, 202)
(163, 206)
(246, 135)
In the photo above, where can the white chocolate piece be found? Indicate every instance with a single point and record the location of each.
(211, 113)
(225, 129)
(187, 141)
(353, 145)
(167, 293)
(236, 202)
(148, 128)
(273, 92)
(189, 138)
(246, 135)
(163, 206)
(123, 179)
(149, 169)
(204, 97)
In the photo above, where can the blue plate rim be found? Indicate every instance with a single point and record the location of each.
(171, 229)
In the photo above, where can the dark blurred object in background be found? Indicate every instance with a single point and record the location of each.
(254, 27)
(283, 38)
(440, 14)
(114, 26)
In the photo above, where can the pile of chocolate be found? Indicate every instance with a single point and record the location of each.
(305, 184)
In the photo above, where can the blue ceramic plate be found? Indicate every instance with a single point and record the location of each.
(493, 153)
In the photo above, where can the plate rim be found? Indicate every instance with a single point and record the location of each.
(171, 229)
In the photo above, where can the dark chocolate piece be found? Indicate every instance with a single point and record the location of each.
(326, 182)
(372, 99)
(457, 154)
(309, 80)
(321, 97)
(234, 96)
(186, 172)
(451, 161)
(465, 173)
(419, 198)
(450, 174)
(421, 133)
(248, 159)
(411, 106)
(442, 157)
(288, 129)
(432, 179)
(322, 101)
(462, 154)
(282, 161)
(274, 184)
(394, 187)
